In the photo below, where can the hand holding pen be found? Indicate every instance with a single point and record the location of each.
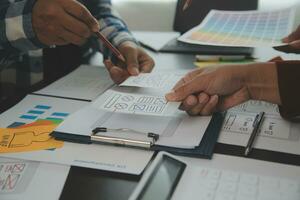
(136, 61)
(132, 60)
(72, 23)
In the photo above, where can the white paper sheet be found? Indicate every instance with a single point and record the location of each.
(155, 40)
(86, 82)
(275, 134)
(28, 180)
(242, 28)
(96, 156)
(92, 156)
(132, 103)
(247, 165)
(154, 80)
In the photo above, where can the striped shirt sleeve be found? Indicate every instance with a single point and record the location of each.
(16, 31)
(111, 25)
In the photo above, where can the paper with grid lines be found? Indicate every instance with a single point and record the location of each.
(242, 28)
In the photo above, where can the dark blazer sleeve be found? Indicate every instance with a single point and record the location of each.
(289, 89)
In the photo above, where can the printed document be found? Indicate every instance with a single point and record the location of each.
(132, 103)
(28, 180)
(275, 134)
(154, 80)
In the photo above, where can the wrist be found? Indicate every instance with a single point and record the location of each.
(123, 37)
(262, 82)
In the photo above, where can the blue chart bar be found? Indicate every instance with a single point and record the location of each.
(28, 117)
(38, 112)
(54, 118)
(16, 124)
(59, 114)
(44, 107)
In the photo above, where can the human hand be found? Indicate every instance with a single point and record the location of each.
(293, 39)
(137, 60)
(60, 22)
(204, 91)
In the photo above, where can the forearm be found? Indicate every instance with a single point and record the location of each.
(16, 30)
(261, 80)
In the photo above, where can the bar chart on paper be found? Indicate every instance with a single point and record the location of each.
(38, 111)
(27, 125)
(242, 28)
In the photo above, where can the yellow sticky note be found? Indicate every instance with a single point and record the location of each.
(206, 64)
(203, 64)
(29, 138)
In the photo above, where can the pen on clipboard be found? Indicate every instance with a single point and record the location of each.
(256, 124)
(186, 4)
(114, 50)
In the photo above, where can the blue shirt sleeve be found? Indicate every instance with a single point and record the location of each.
(111, 25)
(16, 31)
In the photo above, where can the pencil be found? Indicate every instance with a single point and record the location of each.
(114, 50)
(186, 4)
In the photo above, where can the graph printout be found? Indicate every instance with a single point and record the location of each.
(242, 28)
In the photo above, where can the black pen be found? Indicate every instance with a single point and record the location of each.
(256, 124)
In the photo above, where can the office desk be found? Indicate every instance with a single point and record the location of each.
(83, 183)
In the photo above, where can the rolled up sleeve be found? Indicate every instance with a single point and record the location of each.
(289, 83)
(111, 25)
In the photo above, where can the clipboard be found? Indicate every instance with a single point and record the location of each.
(203, 150)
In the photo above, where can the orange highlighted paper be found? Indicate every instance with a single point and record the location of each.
(29, 137)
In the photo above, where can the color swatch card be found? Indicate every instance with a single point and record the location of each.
(242, 28)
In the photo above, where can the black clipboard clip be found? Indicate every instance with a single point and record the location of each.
(97, 137)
